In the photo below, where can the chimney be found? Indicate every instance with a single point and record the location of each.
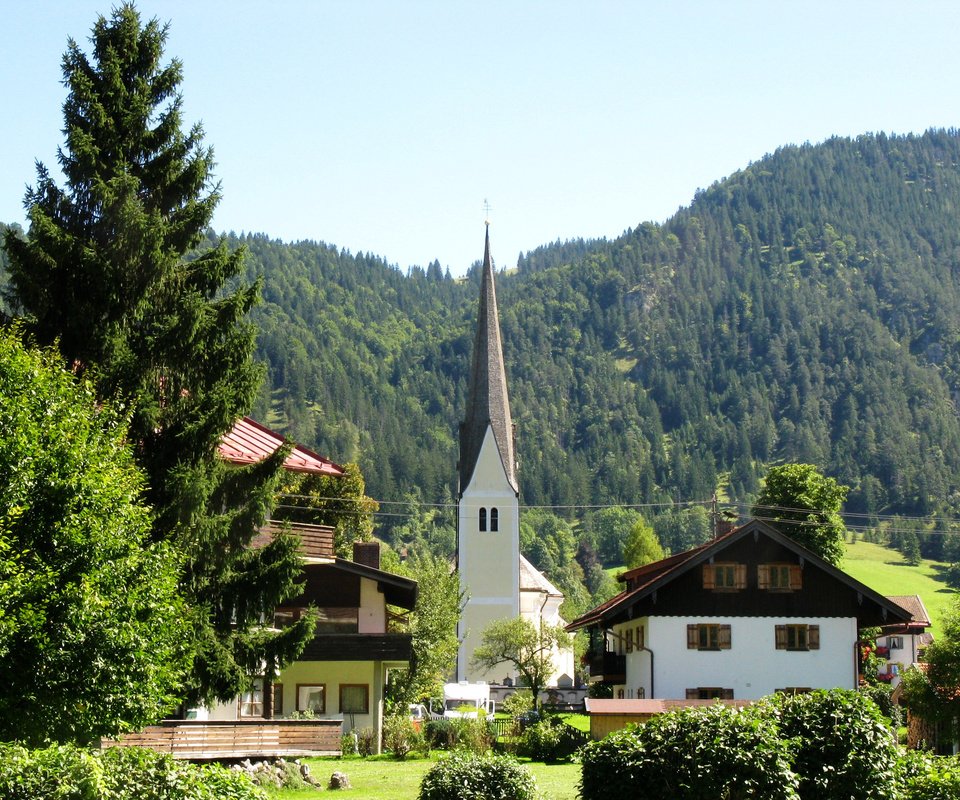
(367, 553)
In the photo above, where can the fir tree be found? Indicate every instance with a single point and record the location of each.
(116, 271)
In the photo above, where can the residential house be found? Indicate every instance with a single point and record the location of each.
(901, 645)
(745, 615)
(342, 673)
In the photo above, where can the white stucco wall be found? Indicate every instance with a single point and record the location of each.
(752, 667)
(372, 616)
(489, 563)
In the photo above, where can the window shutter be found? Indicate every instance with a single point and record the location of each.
(640, 642)
(723, 637)
(813, 637)
(708, 576)
(693, 637)
(693, 694)
(763, 576)
(781, 632)
(741, 576)
(796, 577)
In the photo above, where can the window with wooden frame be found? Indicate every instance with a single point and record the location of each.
(251, 701)
(312, 697)
(779, 577)
(277, 699)
(798, 637)
(708, 636)
(725, 577)
(709, 693)
(895, 642)
(354, 698)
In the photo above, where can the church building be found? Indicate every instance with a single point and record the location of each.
(498, 581)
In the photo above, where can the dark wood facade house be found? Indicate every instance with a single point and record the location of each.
(744, 615)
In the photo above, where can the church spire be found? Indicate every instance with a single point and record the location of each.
(487, 401)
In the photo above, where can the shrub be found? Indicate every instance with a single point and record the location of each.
(696, 754)
(126, 773)
(366, 741)
(844, 745)
(400, 736)
(883, 697)
(467, 776)
(517, 703)
(440, 733)
(923, 776)
(476, 735)
(551, 740)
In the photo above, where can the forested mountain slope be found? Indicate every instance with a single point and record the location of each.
(805, 308)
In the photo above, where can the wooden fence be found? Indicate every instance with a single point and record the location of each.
(197, 740)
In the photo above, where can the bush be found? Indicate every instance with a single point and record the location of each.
(123, 773)
(696, 754)
(476, 735)
(400, 736)
(923, 776)
(366, 741)
(551, 740)
(467, 776)
(845, 747)
(517, 703)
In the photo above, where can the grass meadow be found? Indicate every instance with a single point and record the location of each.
(883, 570)
(383, 778)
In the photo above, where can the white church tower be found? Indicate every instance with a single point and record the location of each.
(488, 518)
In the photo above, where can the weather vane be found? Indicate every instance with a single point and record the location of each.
(486, 211)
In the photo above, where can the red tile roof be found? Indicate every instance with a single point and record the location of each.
(250, 442)
(599, 707)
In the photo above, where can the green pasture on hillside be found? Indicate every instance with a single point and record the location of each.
(883, 570)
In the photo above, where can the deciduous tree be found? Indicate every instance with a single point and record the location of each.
(802, 503)
(520, 644)
(92, 635)
(642, 546)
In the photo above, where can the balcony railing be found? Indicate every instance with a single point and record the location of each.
(608, 667)
(358, 647)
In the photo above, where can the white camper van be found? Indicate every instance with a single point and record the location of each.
(464, 700)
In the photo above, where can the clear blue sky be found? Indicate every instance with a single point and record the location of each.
(382, 126)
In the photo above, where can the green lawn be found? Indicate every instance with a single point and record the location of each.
(385, 779)
(883, 570)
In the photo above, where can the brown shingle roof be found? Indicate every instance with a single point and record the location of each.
(913, 604)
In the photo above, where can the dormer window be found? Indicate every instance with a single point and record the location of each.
(494, 520)
(483, 519)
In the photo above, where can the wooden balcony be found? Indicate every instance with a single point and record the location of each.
(197, 740)
(358, 647)
(607, 667)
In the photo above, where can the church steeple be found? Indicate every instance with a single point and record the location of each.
(487, 401)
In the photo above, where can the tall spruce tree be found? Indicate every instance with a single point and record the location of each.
(117, 271)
